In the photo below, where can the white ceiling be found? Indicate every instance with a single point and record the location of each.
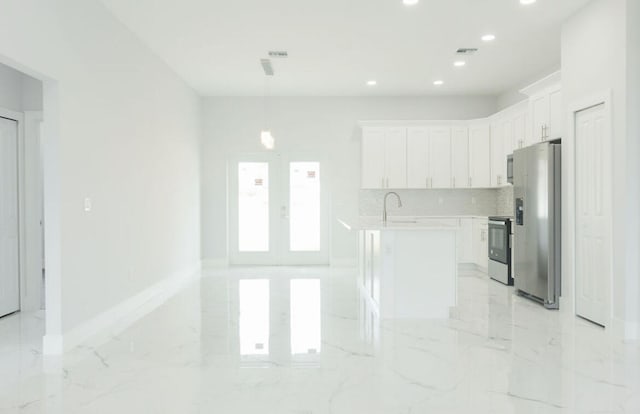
(335, 46)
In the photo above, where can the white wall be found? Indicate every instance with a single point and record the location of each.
(120, 128)
(326, 126)
(594, 49)
(19, 92)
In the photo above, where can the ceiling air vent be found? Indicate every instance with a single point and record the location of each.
(266, 66)
(466, 51)
(278, 54)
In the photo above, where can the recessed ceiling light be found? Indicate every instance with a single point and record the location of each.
(459, 63)
(438, 83)
(488, 38)
(372, 83)
(410, 2)
(527, 2)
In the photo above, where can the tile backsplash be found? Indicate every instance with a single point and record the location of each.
(505, 201)
(458, 202)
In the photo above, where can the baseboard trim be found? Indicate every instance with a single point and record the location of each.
(343, 262)
(215, 263)
(111, 322)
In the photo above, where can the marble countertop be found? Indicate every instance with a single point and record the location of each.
(402, 223)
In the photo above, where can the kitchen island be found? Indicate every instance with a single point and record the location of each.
(407, 267)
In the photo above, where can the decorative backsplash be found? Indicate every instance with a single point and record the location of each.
(505, 201)
(451, 202)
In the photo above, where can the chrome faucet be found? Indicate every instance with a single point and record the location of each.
(384, 209)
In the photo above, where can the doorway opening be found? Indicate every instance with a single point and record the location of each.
(22, 269)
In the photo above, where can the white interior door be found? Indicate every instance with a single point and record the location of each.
(278, 210)
(9, 243)
(593, 217)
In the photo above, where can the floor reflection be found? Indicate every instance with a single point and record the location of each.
(253, 326)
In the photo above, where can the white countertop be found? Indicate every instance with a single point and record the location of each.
(403, 223)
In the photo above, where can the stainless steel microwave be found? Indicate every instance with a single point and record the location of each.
(510, 168)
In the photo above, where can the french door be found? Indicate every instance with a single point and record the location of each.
(278, 210)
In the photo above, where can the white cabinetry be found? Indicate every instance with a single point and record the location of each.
(460, 157)
(521, 137)
(429, 157)
(480, 156)
(545, 109)
(418, 157)
(466, 253)
(480, 236)
(384, 157)
(440, 157)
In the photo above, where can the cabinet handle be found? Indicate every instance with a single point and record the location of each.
(454, 182)
(387, 182)
(470, 182)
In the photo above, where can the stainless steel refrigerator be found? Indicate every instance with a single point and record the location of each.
(537, 196)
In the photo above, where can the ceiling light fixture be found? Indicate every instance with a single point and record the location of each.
(459, 63)
(410, 2)
(267, 139)
(527, 2)
(438, 83)
(488, 38)
(372, 83)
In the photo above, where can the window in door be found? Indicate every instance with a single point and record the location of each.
(253, 206)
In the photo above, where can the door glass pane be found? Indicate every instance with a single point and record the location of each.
(254, 317)
(305, 316)
(253, 207)
(304, 202)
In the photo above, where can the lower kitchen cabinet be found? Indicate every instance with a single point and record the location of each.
(480, 235)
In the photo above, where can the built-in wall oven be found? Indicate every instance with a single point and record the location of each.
(500, 250)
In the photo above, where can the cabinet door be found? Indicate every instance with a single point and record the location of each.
(373, 158)
(440, 158)
(497, 153)
(460, 157)
(480, 156)
(465, 241)
(555, 115)
(520, 139)
(481, 242)
(483, 257)
(417, 157)
(539, 117)
(395, 158)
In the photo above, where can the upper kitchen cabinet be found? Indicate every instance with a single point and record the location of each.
(384, 157)
(418, 157)
(460, 157)
(429, 157)
(440, 157)
(480, 155)
(545, 109)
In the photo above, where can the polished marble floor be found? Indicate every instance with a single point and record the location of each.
(303, 341)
